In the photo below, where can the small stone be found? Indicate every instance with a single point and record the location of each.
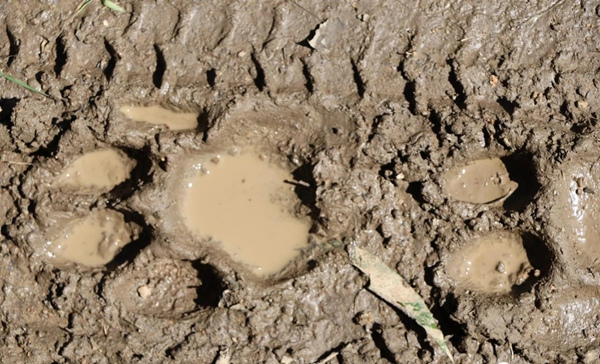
(286, 359)
(494, 80)
(144, 291)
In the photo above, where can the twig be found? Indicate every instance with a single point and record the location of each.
(328, 358)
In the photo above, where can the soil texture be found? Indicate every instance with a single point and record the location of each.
(457, 141)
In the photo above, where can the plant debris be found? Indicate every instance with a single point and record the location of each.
(391, 287)
(109, 4)
(22, 84)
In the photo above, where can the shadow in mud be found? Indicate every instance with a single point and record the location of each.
(509, 106)
(203, 124)
(412, 325)
(541, 258)
(131, 250)
(384, 350)
(161, 67)
(415, 189)
(6, 109)
(50, 149)
(139, 175)
(444, 310)
(210, 292)
(305, 188)
(521, 169)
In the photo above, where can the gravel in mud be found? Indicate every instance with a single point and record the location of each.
(456, 141)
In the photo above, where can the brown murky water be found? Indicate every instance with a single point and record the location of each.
(97, 171)
(90, 241)
(491, 264)
(241, 201)
(481, 181)
(160, 116)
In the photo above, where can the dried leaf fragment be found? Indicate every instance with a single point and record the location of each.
(391, 287)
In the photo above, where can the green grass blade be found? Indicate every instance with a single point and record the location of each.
(22, 84)
(82, 6)
(109, 4)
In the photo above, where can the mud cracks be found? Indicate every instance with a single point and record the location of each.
(455, 143)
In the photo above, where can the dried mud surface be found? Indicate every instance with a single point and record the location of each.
(369, 103)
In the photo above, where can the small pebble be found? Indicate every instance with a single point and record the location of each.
(144, 291)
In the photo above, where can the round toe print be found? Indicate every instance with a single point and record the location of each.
(91, 241)
(494, 263)
(162, 117)
(96, 172)
(240, 201)
(482, 181)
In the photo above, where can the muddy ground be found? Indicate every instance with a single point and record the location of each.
(369, 103)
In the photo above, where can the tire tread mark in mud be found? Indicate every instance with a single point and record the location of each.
(61, 56)
(161, 67)
(259, 80)
(112, 62)
(458, 87)
(13, 47)
(309, 78)
(438, 126)
(211, 77)
(410, 89)
(360, 84)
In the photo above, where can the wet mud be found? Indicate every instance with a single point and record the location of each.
(456, 141)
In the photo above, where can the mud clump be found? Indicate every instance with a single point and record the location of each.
(164, 288)
(568, 319)
(575, 215)
(96, 172)
(157, 115)
(243, 203)
(483, 181)
(91, 241)
(494, 263)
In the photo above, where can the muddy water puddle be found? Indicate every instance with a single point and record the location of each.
(243, 203)
(494, 263)
(97, 171)
(91, 241)
(160, 116)
(482, 181)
